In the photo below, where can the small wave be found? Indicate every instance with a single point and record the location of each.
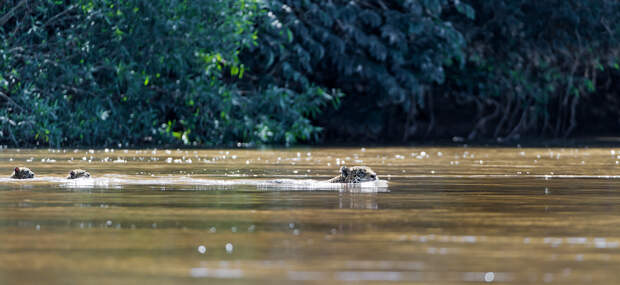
(495, 176)
(118, 181)
(310, 185)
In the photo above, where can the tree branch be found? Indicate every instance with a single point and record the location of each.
(8, 99)
(10, 14)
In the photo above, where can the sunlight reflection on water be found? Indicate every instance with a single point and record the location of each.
(441, 215)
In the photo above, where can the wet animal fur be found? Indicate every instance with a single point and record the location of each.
(78, 173)
(355, 174)
(22, 173)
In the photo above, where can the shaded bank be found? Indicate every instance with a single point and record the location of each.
(101, 73)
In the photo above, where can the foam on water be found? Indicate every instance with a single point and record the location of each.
(118, 181)
(309, 184)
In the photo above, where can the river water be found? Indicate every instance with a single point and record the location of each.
(442, 215)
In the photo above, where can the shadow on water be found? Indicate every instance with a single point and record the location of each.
(446, 215)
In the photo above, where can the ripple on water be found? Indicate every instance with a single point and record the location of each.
(221, 273)
(118, 181)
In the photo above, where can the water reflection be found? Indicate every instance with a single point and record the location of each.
(447, 215)
(358, 201)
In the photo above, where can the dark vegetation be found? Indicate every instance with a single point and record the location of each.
(219, 73)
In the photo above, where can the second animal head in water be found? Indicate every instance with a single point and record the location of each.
(78, 173)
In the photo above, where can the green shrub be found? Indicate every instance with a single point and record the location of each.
(382, 54)
(103, 72)
(215, 73)
(538, 67)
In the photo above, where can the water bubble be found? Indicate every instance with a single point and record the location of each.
(119, 160)
(229, 248)
(202, 249)
(600, 243)
(548, 277)
(489, 277)
(469, 239)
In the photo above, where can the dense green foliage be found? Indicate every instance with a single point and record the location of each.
(382, 55)
(103, 72)
(530, 64)
(480, 69)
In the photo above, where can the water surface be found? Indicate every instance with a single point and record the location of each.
(447, 215)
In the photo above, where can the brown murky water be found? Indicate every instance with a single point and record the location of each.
(447, 215)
